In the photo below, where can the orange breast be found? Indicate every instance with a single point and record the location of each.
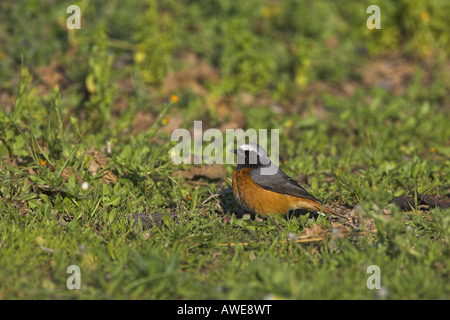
(255, 199)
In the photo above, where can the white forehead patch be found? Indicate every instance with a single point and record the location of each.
(249, 147)
(253, 147)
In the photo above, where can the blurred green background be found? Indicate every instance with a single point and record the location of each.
(130, 55)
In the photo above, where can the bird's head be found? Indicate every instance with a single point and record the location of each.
(251, 155)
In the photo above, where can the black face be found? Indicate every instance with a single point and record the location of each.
(248, 159)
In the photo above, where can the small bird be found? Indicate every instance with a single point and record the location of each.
(259, 186)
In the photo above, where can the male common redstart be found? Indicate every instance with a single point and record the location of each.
(262, 188)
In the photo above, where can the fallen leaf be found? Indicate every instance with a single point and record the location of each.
(208, 171)
(316, 230)
(98, 162)
(67, 172)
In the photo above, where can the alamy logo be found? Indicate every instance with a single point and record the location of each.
(74, 281)
(374, 281)
(374, 21)
(213, 153)
(74, 20)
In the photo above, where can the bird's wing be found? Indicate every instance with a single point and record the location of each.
(280, 183)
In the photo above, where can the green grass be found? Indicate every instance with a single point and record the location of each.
(276, 65)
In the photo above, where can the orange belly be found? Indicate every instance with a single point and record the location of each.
(255, 199)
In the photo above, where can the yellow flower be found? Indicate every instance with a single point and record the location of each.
(432, 149)
(39, 240)
(90, 84)
(2, 55)
(139, 57)
(189, 197)
(268, 12)
(165, 120)
(174, 98)
(43, 162)
(425, 16)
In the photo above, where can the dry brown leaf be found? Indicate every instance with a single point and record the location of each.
(316, 230)
(336, 231)
(98, 162)
(67, 172)
(208, 171)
